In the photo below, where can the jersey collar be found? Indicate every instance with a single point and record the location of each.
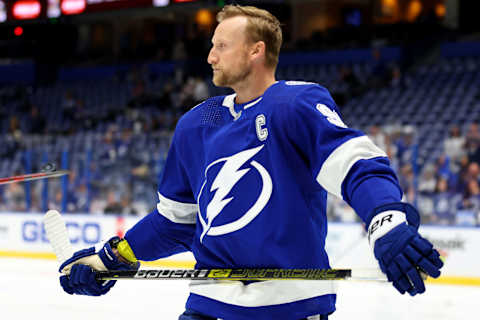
(229, 102)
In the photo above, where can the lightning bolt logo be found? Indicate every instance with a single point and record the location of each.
(228, 176)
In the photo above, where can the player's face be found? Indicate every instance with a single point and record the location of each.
(229, 54)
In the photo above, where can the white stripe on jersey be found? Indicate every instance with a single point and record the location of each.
(341, 160)
(264, 293)
(251, 104)
(177, 212)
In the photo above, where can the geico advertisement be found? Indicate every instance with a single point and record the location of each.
(26, 232)
(346, 244)
(88, 232)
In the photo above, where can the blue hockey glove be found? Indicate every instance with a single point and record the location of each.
(81, 280)
(403, 254)
(80, 269)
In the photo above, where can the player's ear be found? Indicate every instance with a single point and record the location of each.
(258, 50)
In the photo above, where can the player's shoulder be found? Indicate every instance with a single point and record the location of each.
(299, 93)
(195, 116)
(296, 86)
(306, 90)
(308, 101)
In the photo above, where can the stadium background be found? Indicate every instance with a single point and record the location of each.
(97, 86)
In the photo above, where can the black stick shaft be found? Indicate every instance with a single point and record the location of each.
(227, 274)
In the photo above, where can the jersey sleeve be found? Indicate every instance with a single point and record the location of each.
(170, 227)
(344, 161)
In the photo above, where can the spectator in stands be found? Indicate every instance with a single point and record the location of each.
(81, 195)
(457, 179)
(55, 202)
(11, 145)
(14, 126)
(113, 205)
(442, 203)
(453, 147)
(2, 198)
(127, 207)
(75, 197)
(76, 194)
(427, 186)
(97, 204)
(124, 144)
(472, 173)
(407, 148)
(407, 182)
(35, 205)
(96, 177)
(472, 143)
(390, 147)
(376, 134)
(469, 205)
(442, 166)
(15, 197)
(186, 95)
(140, 170)
(178, 52)
(108, 154)
(427, 182)
(200, 90)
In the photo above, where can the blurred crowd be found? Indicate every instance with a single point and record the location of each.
(130, 143)
(446, 192)
(169, 98)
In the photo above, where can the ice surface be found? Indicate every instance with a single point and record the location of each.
(29, 289)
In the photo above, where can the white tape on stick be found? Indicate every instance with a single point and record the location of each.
(57, 235)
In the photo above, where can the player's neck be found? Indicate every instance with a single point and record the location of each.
(253, 87)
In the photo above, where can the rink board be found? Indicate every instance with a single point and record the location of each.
(23, 235)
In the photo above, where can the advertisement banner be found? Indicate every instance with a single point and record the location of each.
(348, 247)
(23, 235)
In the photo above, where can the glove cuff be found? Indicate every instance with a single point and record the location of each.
(412, 215)
(112, 258)
(383, 223)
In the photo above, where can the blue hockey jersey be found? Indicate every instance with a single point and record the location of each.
(246, 186)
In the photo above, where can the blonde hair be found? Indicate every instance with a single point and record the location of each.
(261, 26)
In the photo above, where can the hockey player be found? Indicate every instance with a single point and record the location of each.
(245, 185)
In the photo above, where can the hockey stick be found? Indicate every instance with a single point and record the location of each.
(48, 171)
(57, 235)
(244, 274)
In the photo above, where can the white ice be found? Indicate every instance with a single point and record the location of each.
(29, 289)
